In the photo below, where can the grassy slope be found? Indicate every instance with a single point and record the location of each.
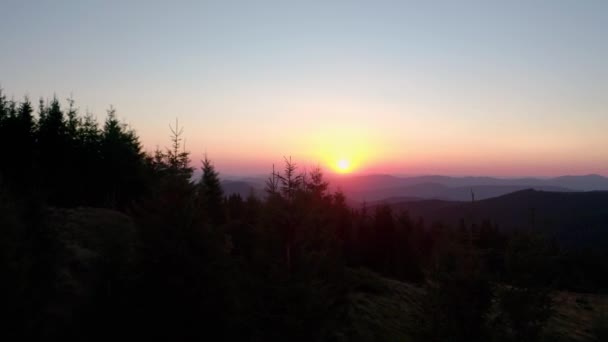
(574, 315)
(378, 309)
(387, 310)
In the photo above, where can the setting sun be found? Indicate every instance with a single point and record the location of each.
(343, 165)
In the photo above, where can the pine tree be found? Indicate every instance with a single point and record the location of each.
(317, 185)
(290, 186)
(211, 193)
(290, 180)
(54, 155)
(3, 113)
(272, 183)
(42, 110)
(12, 109)
(89, 161)
(123, 162)
(25, 139)
(52, 124)
(177, 159)
(3, 133)
(26, 118)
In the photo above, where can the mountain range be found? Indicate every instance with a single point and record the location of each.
(371, 188)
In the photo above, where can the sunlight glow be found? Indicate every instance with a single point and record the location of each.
(343, 147)
(343, 166)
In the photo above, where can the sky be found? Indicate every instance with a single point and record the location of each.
(502, 88)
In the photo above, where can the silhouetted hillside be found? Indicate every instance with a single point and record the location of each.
(440, 191)
(579, 218)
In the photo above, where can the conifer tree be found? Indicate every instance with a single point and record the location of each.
(52, 146)
(272, 183)
(211, 193)
(42, 109)
(17, 138)
(123, 162)
(2, 107)
(12, 109)
(52, 123)
(26, 118)
(72, 119)
(177, 159)
(2, 111)
(89, 160)
(317, 185)
(3, 132)
(25, 140)
(290, 186)
(290, 180)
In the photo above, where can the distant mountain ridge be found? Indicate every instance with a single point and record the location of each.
(377, 187)
(440, 191)
(577, 218)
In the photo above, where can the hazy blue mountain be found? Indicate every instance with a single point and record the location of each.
(585, 183)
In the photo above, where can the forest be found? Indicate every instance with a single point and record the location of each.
(100, 239)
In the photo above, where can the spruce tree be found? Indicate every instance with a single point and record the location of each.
(2, 107)
(72, 120)
(211, 193)
(317, 185)
(123, 162)
(89, 160)
(53, 151)
(26, 118)
(2, 130)
(175, 162)
(291, 181)
(25, 139)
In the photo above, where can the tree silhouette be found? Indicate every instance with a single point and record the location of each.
(90, 162)
(290, 180)
(53, 147)
(317, 185)
(272, 183)
(211, 193)
(122, 162)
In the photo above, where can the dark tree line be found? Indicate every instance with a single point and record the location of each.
(68, 159)
(200, 263)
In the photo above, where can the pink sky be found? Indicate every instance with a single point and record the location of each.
(469, 88)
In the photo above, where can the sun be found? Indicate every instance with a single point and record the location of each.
(343, 165)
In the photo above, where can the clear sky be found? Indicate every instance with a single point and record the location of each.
(504, 88)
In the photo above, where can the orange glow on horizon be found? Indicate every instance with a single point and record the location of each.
(343, 148)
